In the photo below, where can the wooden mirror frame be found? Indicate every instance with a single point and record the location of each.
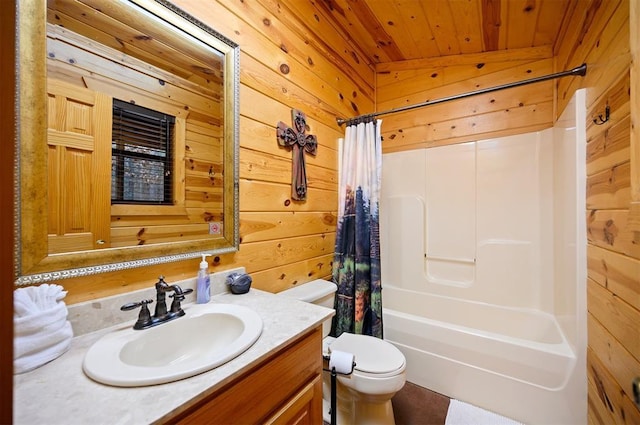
(33, 264)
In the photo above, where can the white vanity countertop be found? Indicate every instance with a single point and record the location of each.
(60, 393)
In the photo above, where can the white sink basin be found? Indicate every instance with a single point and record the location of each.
(206, 337)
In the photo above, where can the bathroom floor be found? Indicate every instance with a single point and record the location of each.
(415, 405)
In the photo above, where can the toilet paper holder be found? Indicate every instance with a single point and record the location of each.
(334, 375)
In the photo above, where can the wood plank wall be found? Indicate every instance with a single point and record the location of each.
(502, 113)
(290, 58)
(599, 35)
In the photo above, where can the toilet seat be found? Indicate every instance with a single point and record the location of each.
(374, 357)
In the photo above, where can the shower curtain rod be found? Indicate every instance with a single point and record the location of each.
(580, 70)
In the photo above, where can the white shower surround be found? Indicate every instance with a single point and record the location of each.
(484, 269)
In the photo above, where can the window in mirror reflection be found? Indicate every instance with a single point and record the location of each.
(103, 190)
(141, 162)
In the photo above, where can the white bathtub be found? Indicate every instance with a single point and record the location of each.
(510, 361)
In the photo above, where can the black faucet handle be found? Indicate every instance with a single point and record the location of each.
(131, 306)
(187, 291)
(144, 318)
(178, 297)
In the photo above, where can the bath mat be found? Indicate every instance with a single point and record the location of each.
(461, 413)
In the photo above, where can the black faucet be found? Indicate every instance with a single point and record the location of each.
(161, 315)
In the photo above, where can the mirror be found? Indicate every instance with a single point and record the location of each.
(128, 138)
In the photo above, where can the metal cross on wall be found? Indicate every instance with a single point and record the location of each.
(300, 142)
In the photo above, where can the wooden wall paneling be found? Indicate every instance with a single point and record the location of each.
(258, 119)
(476, 105)
(608, 228)
(101, 285)
(311, 98)
(258, 166)
(463, 84)
(598, 35)
(259, 137)
(398, 142)
(281, 28)
(528, 54)
(472, 127)
(264, 196)
(634, 18)
(268, 68)
(141, 235)
(617, 316)
(622, 366)
(582, 44)
(476, 126)
(257, 256)
(289, 275)
(610, 188)
(616, 272)
(587, 20)
(617, 97)
(404, 82)
(94, 18)
(179, 159)
(502, 113)
(603, 64)
(131, 74)
(260, 226)
(606, 398)
(609, 148)
(312, 26)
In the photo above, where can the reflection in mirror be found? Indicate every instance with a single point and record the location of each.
(134, 138)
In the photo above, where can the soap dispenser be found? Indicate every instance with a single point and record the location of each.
(203, 283)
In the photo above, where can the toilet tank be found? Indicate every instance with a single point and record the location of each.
(319, 292)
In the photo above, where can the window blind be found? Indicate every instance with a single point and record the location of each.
(142, 163)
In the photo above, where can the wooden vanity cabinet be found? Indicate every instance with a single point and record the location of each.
(286, 388)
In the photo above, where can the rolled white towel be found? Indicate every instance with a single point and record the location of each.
(33, 358)
(40, 321)
(50, 335)
(41, 329)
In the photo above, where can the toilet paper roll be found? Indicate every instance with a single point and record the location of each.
(342, 361)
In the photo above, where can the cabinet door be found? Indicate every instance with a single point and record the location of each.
(79, 180)
(302, 409)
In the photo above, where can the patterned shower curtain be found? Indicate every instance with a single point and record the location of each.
(356, 264)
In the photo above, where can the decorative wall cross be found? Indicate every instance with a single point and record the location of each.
(300, 142)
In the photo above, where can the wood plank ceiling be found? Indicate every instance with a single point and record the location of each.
(397, 30)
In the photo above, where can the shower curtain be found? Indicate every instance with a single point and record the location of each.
(356, 264)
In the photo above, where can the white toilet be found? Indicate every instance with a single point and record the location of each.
(364, 397)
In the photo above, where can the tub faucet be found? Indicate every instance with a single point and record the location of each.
(161, 315)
